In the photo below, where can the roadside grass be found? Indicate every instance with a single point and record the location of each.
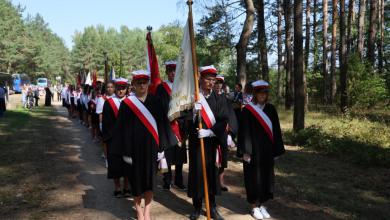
(23, 159)
(356, 139)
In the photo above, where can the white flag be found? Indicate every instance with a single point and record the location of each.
(183, 88)
(88, 80)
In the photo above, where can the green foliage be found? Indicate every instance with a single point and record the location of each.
(29, 46)
(349, 139)
(366, 89)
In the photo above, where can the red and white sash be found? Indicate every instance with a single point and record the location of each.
(144, 115)
(262, 118)
(114, 103)
(168, 87)
(206, 113)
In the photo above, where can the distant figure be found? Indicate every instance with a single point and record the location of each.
(48, 96)
(2, 101)
(36, 96)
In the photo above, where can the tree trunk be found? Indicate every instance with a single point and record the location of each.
(307, 39)
(262, 40)
(333, 57)
(280, 51)
(241, 46)
(315, 42)
(382, 36)
(349, 25)
(360, 40)
(325, 49)
(372, 31)
(299, 91)
(343, 61)
(288, 67)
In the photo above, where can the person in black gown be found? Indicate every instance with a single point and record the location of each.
(231, 130)
(175, 155)
(48, 96)
(115, 163)
(143, 132)
(214, 120)
(260, 142)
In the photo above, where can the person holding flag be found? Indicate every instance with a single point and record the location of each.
(214, 118)
(143, 134)
(260, 142)
(175, 155)
(109, 115)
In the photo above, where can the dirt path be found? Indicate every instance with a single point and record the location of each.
(71, 173)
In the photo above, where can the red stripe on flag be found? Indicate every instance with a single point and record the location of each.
(153, 65)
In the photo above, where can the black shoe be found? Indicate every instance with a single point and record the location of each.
(224, 188)
(195, 215)
(180, 186)
(126, 193)
(117, 194)
(215, 215)
(167, 186)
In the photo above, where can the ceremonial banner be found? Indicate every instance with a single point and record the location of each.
(88, 80)
(112, 74)
(183, 86)
(152, 64)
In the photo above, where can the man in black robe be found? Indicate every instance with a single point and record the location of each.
(109, 115)
(175, 155)
(143, 132)
(260, 142)
(213, 134)
(231, 130)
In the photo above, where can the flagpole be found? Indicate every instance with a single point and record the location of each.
(105, 67)
(195, 70)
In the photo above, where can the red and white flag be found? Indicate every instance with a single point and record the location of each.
(152, 64)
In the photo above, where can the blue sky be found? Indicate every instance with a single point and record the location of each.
(67, 16)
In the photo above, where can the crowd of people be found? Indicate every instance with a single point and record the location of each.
(139, 140)
(31, 95)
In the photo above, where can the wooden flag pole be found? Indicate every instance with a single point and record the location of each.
(195, 70)
(105, 67)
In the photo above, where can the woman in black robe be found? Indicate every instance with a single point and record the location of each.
(115, 163)
(138, 146)
(259, 145)
(48, 96)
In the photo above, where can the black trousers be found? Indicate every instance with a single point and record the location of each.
(178, 175)
(197, 202)
(36, 101)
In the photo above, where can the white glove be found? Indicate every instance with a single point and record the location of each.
(101, 126)
(202, 133)
(197, 106)
(160, 156)
(127, 160)
(230, 142)
(247, 158)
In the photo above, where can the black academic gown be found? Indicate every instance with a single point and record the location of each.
(253, 140)
(195, 176)
(232, 129)
(135, 141)
(173, 154)
(115, 162)
(48, 97)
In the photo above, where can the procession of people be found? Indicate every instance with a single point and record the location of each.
(139, 141)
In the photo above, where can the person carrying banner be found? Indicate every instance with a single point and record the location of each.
(116, 165)
(214, 118)
(260, 142)
(143, 133)
(175, 155)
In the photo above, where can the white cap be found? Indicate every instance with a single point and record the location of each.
(170, 63)
(141, 74)
(208, 70)
(260, 84)
(220, 78)
(121, 81)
